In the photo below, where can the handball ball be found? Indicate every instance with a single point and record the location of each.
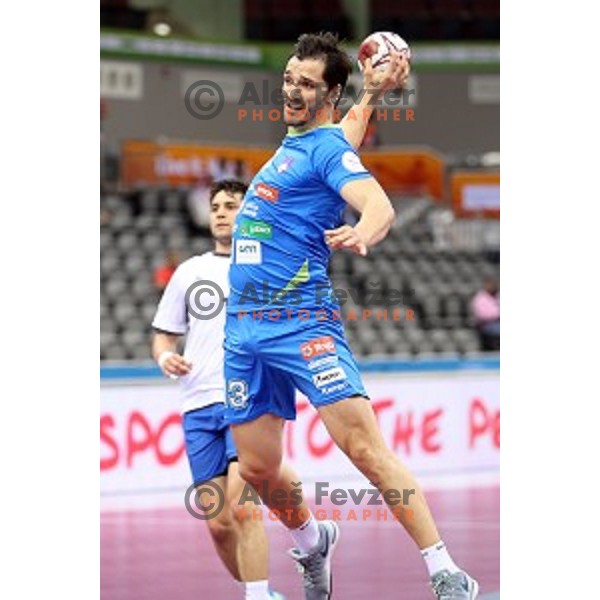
(377, 47)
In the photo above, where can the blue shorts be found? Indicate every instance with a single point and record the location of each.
(265, 362)
(208, 442)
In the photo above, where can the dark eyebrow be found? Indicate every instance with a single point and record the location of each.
(302, 77)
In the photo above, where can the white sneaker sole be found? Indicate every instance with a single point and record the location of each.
(331, 551)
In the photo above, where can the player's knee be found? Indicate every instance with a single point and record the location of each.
(363, 453)
(240, 506)
(221, 530)
(247, 513)
(255, 473)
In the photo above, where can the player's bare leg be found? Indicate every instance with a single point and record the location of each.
(252, 551)
(223, 531)
(353, 426)
(240, 540)
(259, 446)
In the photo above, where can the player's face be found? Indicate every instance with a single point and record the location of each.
(304, 90)
(223, 209)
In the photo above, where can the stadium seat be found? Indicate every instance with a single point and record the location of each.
(121, 220)
(126, 241)
(142, 289)
(115, 352)
(150, 202)
(152, 240)
(123, 311)
(115, 287)
(436, 282)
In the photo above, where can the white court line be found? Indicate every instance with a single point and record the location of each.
(494, 596)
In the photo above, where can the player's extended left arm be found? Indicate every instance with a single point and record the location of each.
(375, 84)
(377, 216)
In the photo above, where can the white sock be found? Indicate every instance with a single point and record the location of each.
(437, 559)
(306, 537)
(257, 590)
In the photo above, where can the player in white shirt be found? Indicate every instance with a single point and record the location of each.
(194, 309)
(193, 305)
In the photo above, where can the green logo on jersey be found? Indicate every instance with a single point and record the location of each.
(258, 230)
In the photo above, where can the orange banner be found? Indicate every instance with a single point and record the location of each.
(149, 163)
(409, 171)
(475, 194)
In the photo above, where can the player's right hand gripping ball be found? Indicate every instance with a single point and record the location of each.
(378, 46)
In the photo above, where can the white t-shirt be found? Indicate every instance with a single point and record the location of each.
(176, 314)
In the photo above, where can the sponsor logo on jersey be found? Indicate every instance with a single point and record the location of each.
(323, 362)
(249, 208)
(352, 163)
(326, 377)
(256, 229)
(334, 388)
(248, 252)
(266, 192)
(316, 347)
(285, 164)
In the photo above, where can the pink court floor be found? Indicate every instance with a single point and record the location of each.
(168, 555)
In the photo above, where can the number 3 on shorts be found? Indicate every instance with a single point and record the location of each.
(237, 394)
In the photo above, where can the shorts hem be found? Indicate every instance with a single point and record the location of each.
(339, 399)
(267, 410)
(202, 480)
(223, 473)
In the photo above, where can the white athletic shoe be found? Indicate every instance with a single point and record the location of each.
(454, 586)
(316, 567)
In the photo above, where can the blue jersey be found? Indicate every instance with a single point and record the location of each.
(280, 256)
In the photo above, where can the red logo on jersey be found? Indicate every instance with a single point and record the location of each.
(266, 192)
(323, 345)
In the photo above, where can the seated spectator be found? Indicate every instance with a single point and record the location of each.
(241, 171)
(485, 307)
(164, 272)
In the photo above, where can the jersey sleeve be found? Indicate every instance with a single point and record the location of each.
(171, 315)
(337, 162)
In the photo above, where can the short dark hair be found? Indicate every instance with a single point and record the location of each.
(325, 46)
(230, 186)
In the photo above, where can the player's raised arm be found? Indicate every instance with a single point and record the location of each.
(377, 216)
(375, 84)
